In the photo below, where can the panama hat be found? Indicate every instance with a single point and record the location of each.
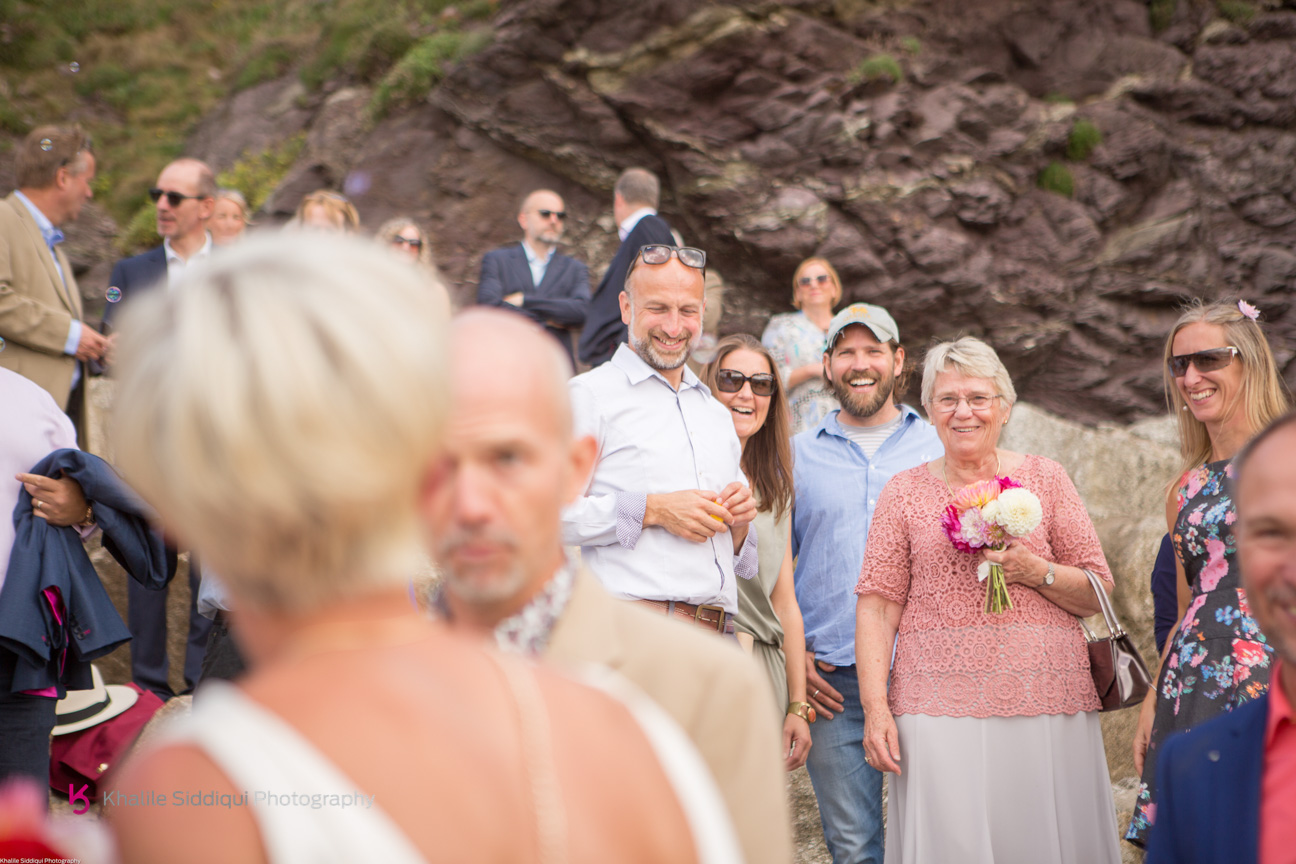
(81, 709)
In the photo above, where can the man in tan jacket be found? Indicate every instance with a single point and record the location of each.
(512, 465)
(40, 306)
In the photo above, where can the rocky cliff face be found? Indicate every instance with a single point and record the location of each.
(904, 141)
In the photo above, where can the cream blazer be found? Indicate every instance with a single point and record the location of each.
(715, 692)
(36, 308)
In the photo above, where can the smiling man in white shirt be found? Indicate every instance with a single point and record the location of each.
(666, 517)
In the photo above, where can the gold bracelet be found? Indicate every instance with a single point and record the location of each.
(89, 516)
(804, 710)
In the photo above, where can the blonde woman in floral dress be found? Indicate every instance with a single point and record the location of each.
(796, 340)
(1224, 387)
(990, 727)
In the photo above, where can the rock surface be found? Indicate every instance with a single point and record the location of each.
(774, 143)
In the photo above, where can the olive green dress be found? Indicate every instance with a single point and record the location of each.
(755, 612)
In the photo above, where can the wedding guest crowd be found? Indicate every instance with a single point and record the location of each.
(644, 539)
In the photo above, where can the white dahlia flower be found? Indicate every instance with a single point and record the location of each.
(1019, 511)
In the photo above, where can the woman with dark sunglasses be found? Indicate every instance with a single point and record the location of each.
(743, 378)
(1223, 386)
(796, 340)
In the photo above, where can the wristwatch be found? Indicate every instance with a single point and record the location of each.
(804, 710)
(1051, 576)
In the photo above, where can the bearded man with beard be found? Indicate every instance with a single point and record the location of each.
(666, 516)
(840, 467)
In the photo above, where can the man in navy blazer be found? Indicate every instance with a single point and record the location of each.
(185, 196)
(634, 207)
(533, 277)
(1228, 788)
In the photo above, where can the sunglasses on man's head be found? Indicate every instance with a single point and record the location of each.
(805, 281)
(173, 198)
(659, 253)
(1204, 361)
(416, 243)
(732, 381)
(561, 214)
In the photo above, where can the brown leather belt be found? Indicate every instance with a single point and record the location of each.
(708, 617)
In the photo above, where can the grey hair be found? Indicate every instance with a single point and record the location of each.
(971, 357)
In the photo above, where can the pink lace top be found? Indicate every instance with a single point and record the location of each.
(953, 659)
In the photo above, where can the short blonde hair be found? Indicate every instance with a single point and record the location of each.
(340, 210)
(832, 277)
(236, 196)
(971, 357)
(280, 412)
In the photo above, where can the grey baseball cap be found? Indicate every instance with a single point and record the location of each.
(875, 318)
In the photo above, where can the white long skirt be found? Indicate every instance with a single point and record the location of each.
(1001, 790)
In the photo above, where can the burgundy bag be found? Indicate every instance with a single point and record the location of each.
(1119, 674)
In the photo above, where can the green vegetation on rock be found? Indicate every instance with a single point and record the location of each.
(140, 74)
(874, 68)
(911, 44)
(1057, 177)
(1084, 137)
(1236, 11)
(1161, 13)
(257, 174)
(423, 66)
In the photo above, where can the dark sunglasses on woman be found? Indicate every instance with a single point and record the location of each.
(415, 244)
(732, 381)
(1204, 361)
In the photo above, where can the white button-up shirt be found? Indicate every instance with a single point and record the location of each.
(176, 266)
(653, 439)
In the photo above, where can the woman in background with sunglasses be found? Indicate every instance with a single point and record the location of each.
(406, 239)
(743, 379)
(1223, 386)
(796, 340)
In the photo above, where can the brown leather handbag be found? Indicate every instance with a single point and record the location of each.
(1120, 676)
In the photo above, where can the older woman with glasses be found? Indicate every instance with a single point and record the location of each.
(990, 727)
(1223, 385)
(796, 340)
(743, 379)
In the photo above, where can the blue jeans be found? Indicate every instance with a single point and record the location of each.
(849, 791)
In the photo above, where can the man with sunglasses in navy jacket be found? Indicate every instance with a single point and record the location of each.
(634, 207)
(533, 277)
(185, 195)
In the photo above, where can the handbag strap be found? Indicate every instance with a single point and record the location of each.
(1109, 614)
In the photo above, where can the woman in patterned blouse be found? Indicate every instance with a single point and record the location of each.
(990, 727)
(796, 339)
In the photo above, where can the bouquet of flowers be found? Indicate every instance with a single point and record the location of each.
(987, 515)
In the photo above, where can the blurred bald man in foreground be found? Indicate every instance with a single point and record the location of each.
(512, 466)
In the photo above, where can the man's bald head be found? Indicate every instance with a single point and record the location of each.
(504, 356)
(511, 466)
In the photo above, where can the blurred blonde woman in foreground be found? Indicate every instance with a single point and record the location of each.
(284, 414)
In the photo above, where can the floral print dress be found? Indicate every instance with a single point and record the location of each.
(1219, 658)
(794, 340)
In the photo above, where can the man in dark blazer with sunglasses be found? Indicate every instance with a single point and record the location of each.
(533, 277)
(634, 207)
(185, 196)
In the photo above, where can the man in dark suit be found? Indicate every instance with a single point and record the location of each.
(1228, 787)
(536, 279)
(185, 196)
(634, 207)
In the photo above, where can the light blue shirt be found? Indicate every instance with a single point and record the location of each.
(537, 264)
(654, 439)
(53, 236)
(837, 487)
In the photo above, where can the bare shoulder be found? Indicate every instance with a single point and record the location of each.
(148, 804)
